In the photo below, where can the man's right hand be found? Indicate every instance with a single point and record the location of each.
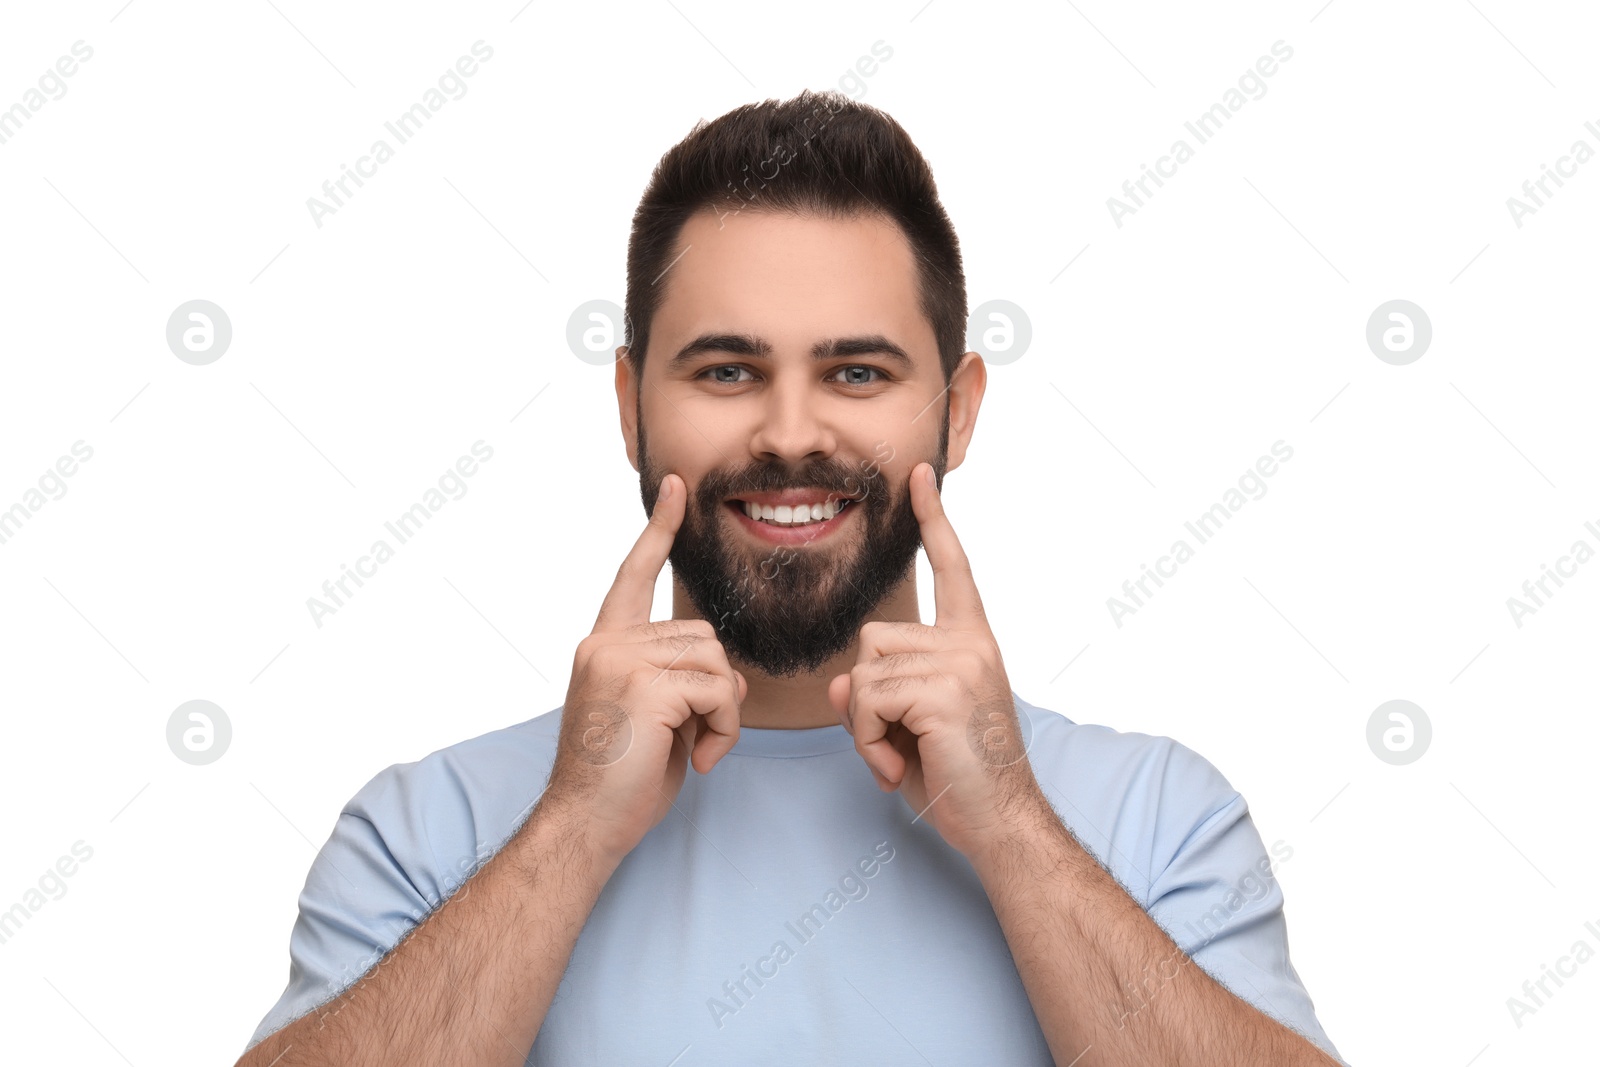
(643, 695)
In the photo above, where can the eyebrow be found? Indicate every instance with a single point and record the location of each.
(754, 347)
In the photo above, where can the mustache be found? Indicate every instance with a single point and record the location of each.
(843, 479)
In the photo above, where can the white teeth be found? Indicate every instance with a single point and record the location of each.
(787, 515)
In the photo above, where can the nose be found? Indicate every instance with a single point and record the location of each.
(793, 428)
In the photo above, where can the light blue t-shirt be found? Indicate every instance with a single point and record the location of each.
(788, 912)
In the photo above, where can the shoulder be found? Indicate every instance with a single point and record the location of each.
(1134, 799)
(1118, 760)
(1167, 824)
(457, 805)
(400, 847)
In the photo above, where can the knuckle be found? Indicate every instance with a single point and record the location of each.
(877, 686)
(643, 676)
(910, 628)
(603, 658)
(685, 639)
(913, 658)
(598, 661)
(679, 643)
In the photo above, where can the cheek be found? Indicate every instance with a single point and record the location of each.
(890, 481)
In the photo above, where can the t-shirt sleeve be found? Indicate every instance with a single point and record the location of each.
(402, 846)
(358, 902)
(1218, 899)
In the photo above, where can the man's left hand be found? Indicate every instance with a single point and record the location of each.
(931, 708)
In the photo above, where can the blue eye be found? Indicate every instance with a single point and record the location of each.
(874, 370)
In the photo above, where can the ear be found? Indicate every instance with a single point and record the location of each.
(966, 396)
(628, 404)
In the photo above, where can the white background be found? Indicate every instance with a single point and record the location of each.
(368, 354)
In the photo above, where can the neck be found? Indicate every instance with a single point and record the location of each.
(800, 702)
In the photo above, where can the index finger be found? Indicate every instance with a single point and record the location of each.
(955, 591)
(633, 591)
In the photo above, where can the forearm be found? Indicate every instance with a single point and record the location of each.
(472, 982)
(1106, 983)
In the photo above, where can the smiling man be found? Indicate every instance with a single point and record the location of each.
(885, 853)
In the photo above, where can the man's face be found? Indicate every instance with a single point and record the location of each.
(735, 424)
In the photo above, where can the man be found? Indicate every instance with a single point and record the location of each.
(562, 891)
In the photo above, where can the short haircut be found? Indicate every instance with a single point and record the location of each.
(819, 154)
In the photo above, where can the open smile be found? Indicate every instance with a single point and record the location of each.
(792, 524)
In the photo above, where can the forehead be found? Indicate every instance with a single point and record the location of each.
(792, 279)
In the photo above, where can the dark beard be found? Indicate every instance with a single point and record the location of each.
(790, 609)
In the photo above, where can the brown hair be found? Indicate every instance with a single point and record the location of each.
(819, 153)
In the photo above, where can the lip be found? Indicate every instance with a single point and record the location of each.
(789, 535)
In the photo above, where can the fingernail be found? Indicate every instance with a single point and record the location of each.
(666, 490)
(928, 475)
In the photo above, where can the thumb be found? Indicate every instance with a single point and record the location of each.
(744, 686)
(839, 693)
